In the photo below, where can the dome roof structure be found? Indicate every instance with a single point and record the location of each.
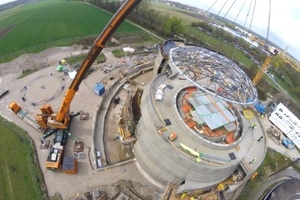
(214, 73)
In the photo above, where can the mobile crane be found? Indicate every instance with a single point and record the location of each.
(60, 122)
(62, 118)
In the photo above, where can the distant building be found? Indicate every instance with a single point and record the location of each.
(287, 122)
(245, 35)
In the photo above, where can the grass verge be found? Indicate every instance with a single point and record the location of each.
(273, 162)
(80, 58)
(20, 174)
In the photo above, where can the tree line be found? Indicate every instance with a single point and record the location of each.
(143, 15)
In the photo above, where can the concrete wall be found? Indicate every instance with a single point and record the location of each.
(164, 162)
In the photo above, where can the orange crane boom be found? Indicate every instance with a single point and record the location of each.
(62, 118)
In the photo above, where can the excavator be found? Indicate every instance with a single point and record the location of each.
(61, 119)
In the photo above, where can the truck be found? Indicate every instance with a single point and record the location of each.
(288, 143)
(54, 159)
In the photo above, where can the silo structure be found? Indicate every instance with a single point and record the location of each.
(191, 132)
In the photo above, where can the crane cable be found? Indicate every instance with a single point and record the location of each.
(204, 15)
(240, 11)
(248, 13)
(247, 20)
(252, 16)
(223, 18)
(219, 23)
(269, 19)
(229, 8)
(210, 7)
(233, 55)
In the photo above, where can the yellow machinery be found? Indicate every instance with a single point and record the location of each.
(54, 160)
(61, 119)
(257, 40)
(265, 65)
(262, 70)
(25, 116)
(14, 107)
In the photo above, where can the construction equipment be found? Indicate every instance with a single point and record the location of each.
(262, 70)
(253, 38)
(25, 116)
(274, 134)
(54, 159)
(116, 101)
(61, 119)
(55, 156)
(288, 143)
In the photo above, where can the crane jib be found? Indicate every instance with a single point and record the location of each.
(100, 42)
(97, 47)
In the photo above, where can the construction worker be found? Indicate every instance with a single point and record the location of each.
(252, 161)
(252, 126)
(198, 160)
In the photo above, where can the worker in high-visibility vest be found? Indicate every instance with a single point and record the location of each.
(252, 126)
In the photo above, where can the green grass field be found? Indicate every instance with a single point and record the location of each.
(19, 174)
(48, 21)
(173, 11)
(273, 162)
(228, 50)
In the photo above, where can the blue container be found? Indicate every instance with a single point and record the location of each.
(99, 89)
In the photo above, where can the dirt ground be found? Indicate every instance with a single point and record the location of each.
(49, 85)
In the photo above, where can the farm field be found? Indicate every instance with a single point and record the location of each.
(45, 22)
(226, 49)
(173, 11)
(17, 172)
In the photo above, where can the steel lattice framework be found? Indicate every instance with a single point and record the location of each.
(214, 73)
